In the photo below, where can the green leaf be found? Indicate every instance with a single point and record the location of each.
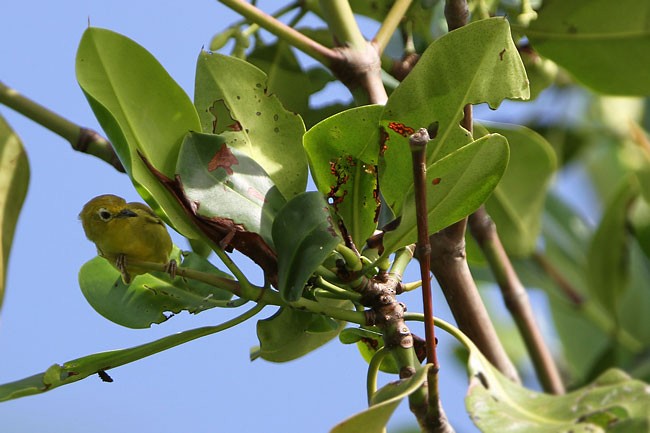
(233, 101)
(517, 202)
(150, 298)
(14, 180)
(304, 236)
(343, 151)
(369, 342)
(612, 40)
(225, 183)
(286, 78)
(290, 334)
(142, 110)
(476, 63)
(383, 404)
(614, 402)
(80, 368)
(458, 185)
(607, 259)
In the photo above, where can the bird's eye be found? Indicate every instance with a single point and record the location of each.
(104, 214)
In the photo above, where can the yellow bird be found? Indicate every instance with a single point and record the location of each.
(126, 231)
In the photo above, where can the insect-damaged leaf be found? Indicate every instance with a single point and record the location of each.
(304, 236)
(226, 184)
(232, 100)
(476, 63)
(150, 297)
(343, 151)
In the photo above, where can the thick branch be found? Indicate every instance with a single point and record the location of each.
(449, 265)
(516, 299)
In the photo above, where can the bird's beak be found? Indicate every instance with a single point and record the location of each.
(126, 213)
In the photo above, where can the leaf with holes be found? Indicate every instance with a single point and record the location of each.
(474, 64)
(457, 185)
(343, 151)
(232, 99)
(150, 298)
(226, 184)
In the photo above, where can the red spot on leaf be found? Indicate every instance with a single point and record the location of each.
(401, 129)
(436, 181)
(224, 159)
(383, 140)
(236, 127)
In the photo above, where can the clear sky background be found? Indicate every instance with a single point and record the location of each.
(208, 385)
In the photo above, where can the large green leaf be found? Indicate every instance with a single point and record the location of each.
(458, 184)
(14, 180)
(383, 404)
(80, 368)
(343, 151)
(290, 334)
(604, 44)
(149, 298)
(232, 99)
(608, 256)
(304, 235)
(225, 183)
(614, 402)
(476, 63)
(142, 110)
(518, 200)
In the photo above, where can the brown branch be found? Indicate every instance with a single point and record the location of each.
(516, 299)
(449, 265)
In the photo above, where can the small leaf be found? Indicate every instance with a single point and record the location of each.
(150, 298)
(369, 342)
(290, 334)
(607, 259)
(611, 37)
(343, 151)
(517, 202)
(233, 101)
(304, 236)
(225, 183)
(14, 180)
(457, 185)
(142, 110)
(384, 403)
(474, 64)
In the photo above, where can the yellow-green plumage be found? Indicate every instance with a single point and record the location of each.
(125, 232)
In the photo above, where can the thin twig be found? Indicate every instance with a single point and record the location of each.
(278, 28)
(81, 139)
(516, 299)
(391, 21)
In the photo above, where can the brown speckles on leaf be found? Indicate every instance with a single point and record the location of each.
(224, 159)
(436, 181)
(383, 140)
(501, 53)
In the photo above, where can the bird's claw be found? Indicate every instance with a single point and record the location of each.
(171, 268)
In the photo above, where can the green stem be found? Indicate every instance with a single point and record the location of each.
(412, 285)
(81, 139)
(351, 258)
(80, 368)
(373, 372)
(341, 293)
(403, 257)
(391, 22)
(340, 19)
(305, 44)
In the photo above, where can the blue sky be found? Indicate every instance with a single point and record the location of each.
(207, 385)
